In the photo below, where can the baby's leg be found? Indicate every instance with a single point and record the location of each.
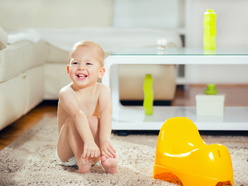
(70, 144)
(85, 164)
(94, 127)
(63, 146)
(109, 164)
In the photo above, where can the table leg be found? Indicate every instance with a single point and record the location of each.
(115, 86)
(111, 79)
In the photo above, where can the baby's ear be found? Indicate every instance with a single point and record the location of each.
(67, 69)
(101, 73)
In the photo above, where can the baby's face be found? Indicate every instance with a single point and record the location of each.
(85, 68)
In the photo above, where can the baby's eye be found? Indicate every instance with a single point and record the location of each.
(75, 63)
(88, 63)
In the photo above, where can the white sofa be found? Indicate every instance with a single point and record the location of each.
(32, 72)
(21, 77)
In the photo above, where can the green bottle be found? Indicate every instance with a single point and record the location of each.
(148, 95)
(209, 30)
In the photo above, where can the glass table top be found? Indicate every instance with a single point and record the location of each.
(181, 51)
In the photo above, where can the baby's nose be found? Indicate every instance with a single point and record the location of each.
(81, 67)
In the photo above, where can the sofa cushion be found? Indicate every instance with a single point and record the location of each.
(35, 79)
(110, 38)
(55, 81)
(20, 57)
(56, 55)
(3, 38)
(12, 106)
(29, 86)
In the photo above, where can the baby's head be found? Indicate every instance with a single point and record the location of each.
(94, 46)
(85, 63)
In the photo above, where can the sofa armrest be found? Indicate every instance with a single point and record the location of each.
(3, 38)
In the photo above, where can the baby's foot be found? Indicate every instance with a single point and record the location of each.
(84, 165)
(109, 164)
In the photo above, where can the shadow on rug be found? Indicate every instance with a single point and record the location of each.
(30, 160)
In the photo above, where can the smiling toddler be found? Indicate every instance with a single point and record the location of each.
(85, 112)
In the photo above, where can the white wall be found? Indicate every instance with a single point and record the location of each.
(232, 31)
(231, 22)
(149, 13)
(16, 14)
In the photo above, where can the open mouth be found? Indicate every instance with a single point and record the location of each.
(82, 76)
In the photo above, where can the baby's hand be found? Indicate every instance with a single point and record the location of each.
(107, 149)
(91, 150)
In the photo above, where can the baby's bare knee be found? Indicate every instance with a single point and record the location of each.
(93, 122)
(69, 119)
(69, 122)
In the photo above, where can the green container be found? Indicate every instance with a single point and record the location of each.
(148, 95)
(209, 30)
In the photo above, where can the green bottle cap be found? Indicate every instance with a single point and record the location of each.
(148, 75)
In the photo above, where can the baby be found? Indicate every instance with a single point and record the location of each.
(85, 112)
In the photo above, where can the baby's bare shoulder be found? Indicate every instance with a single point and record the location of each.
(66, 92)
(103, 88)
(104, 91)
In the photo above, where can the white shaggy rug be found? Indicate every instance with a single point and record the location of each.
(30, 160)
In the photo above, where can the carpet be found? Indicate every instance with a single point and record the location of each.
(30, 160)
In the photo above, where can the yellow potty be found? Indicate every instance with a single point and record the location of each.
(182, 157)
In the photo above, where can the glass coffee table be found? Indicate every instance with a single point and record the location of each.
(134, 118)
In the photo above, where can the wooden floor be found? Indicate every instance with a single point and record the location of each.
(25, 123)
(236, 95)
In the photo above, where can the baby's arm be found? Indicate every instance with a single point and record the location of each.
(107, 148)
(70, 105)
